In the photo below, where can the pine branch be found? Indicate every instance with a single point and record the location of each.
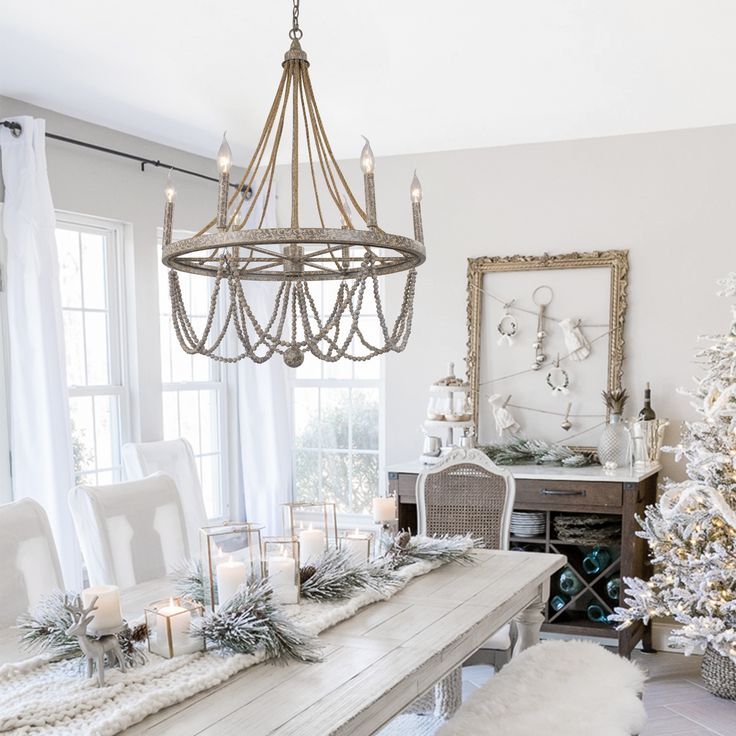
(250, 621)
(334, 576)
(406, 550)
(189, 581)
(521, 451)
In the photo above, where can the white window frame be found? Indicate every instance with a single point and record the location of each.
(117, 357)
(219, 385)
(348, 520)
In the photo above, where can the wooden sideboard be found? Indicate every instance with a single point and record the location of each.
(621, 493)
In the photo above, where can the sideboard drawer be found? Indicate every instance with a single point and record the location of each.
(569, 494)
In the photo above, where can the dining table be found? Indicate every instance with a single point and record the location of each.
(373, 665)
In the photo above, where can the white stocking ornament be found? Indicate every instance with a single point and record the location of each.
(576, 343)
(505, 422)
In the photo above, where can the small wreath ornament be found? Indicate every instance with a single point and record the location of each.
(507, 328)
(558, 379)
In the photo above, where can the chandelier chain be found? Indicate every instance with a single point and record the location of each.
(295, 33)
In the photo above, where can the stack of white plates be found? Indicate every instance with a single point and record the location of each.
(528, 523)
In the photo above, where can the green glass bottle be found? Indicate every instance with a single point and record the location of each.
(569, 582)
(613, 588)
(559, 601)
(596, 560)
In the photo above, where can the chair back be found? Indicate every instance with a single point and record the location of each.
(175, 458)
(130, 532)
(466, 493)
(30, 562)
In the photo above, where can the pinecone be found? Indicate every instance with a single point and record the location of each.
(402, 539)
(306, 572)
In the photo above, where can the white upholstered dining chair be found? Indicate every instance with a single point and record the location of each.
(175, 458)
(130, 532)
(467, 493)
(29, 559)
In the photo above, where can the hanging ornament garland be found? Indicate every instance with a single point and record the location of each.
(566, 423)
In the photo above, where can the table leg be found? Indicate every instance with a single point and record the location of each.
(529, 621)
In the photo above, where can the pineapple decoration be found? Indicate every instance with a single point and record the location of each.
(614, 449)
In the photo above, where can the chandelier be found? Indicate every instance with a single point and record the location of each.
(235, 247)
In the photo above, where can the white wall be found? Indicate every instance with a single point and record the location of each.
(666, 197)
(94, 183)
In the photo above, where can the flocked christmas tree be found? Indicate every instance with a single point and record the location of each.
(691, 530)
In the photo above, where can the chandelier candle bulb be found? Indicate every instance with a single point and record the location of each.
(170, 193)
(224, 162)
(108, 614)
(416, 208)
(367, 163)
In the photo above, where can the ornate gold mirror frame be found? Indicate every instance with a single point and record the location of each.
(481, 337)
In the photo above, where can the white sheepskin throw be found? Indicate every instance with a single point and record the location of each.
(557, 688)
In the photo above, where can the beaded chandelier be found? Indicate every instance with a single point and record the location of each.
(235, 248)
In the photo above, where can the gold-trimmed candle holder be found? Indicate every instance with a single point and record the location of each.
(314, 524)
(169, 623)
(231, 555)
(358, 544)
(281, 567)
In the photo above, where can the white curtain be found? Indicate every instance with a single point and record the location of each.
(40, 438)
(264, 430)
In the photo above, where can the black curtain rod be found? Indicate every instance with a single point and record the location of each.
(16, 129)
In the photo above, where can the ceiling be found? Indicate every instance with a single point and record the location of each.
(413, 76)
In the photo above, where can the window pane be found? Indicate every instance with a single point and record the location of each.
(94, 271)
(307, 475)
(209, 421)
(365, 418)
(95, 324)
(106, 431)
(365, 482)
(189, 418)
(81, 413)
(306, 417)
(334, 417)
(165, 333)
(74, 343)
(171, 415)
(67, 242)
(210, 479)
(335, 479)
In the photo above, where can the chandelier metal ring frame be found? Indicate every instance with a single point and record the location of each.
(235, 248)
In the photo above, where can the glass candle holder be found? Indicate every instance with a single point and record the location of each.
(169, 624)
(281, 567)
(313, 524)
(357, 544)
(231, 555)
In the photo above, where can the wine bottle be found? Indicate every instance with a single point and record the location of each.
(647, 413)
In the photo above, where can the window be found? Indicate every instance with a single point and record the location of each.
(89, 275)
(194, 391)
(338, 423)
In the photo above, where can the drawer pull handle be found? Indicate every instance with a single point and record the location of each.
(555, 492)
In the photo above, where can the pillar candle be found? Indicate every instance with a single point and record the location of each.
(357, 545)
(311, 543)
(108, 614)
(179, 619)
(230, 574)
(282, 577)
(384, 509)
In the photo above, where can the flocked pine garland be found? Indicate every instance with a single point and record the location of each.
(44, 630)
(520, 450)
(251, 620)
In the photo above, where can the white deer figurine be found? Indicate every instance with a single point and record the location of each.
(95, 649)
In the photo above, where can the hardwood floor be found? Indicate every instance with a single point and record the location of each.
(676, 701)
